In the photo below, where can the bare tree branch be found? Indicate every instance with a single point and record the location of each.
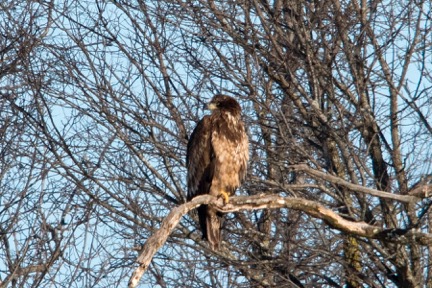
(238, 203)
(358, 188)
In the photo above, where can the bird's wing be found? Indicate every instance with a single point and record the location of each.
(199, 159)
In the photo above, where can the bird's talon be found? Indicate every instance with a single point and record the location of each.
(225, 197)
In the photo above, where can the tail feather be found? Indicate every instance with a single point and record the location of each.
(210, 222)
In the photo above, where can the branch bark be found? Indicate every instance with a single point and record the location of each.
(237, 203)
(412, 198)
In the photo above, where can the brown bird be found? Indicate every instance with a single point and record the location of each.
(217, 157)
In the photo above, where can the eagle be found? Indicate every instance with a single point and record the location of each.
(217, 158)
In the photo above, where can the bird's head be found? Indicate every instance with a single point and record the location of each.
(224, 102)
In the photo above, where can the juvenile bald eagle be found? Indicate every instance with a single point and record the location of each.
(217, 157)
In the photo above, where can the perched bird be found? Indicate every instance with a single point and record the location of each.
(217, 157)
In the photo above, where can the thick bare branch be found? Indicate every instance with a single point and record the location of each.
(159, 238)
(238, 203)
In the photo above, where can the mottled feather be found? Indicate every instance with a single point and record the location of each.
(217, 156)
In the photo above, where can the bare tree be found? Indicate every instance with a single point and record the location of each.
(97, 102)
(30, 242)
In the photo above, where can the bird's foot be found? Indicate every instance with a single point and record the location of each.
(225, 196)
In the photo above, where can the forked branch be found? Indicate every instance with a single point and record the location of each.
(237, 203)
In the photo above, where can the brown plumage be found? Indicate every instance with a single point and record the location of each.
(217, 156)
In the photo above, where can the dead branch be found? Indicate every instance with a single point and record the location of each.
(237, 203)
(412, 198)
(160, 236)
